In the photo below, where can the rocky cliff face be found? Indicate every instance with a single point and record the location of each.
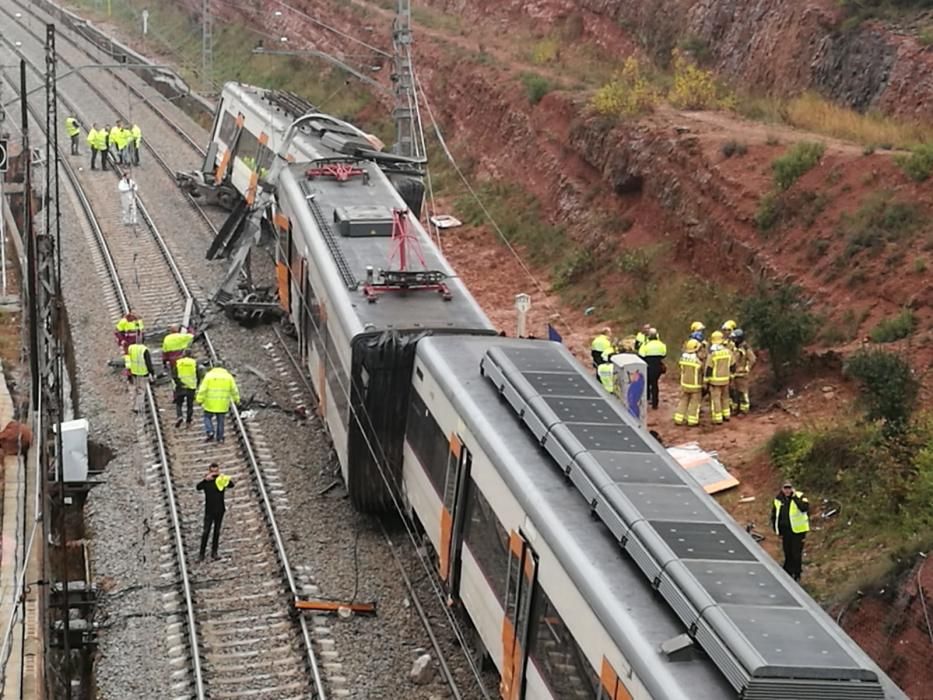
(779, 46)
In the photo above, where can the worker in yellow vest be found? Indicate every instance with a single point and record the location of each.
(653, 351)
(602, 347)
(117, 142)
(97, 143)
(73, 129)
(129, 330)
(790, 520)
(607, 376)
(691, 385)
(173, 344)
(139, 365)
(216, 392)
(718, 369)
(185, 376)
(136, 136)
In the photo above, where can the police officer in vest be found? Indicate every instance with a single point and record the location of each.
(602, 348)
(215, 393)
(138, 363)
(213, 485)
(73, 129)
(653, 351)
(790, 520)
(185, 376)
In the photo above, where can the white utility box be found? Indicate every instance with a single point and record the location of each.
(74, 450)
(632, 385)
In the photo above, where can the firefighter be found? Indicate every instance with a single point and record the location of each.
(691, 384)
(718, 369)
(744, 363)
(653, 351)
(602, 347)
(73, 129)
(698, 333)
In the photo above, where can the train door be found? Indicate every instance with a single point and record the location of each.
(523, 574)
(460, 464)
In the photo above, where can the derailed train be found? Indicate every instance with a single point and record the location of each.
(589, 563)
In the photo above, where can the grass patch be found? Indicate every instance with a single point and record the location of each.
(918, 165)
(536, 86)
(786, 208)
(695, 87)
(545, 51)
(877, 222)
(798, 160)
(895, 328)
(628, 94)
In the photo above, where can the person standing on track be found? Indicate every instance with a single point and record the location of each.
(73, 129)
(138, 363)
(136, 139)
(175, 341)
(129, 330)
(213, 485)
(185, 376)
(215, 394)
(127, 188)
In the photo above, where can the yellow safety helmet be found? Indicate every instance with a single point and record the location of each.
(696, 326)
(716, 337)
(729, 326)
(692, 345)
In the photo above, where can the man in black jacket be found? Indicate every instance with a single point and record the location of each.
(790, 520)
(213, 485)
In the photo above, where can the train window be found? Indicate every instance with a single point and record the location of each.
(556, 654)
(428, 442)
(227, 128)
(487, 539)
(337, 379)
(248, 148)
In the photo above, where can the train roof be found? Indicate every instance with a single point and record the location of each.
(336, 218)
(762, 635)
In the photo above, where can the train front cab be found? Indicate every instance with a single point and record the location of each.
(496, 566)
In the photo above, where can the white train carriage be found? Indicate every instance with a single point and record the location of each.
(333, 219)
(561, 610)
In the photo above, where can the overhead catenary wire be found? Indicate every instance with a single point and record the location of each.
(555, 313)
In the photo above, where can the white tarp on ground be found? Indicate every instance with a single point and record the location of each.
(703, 466)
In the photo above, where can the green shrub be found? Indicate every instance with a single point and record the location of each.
(779, 316)
(920, 266)
(537, 86)
(627, 94)
(894, 328)
(577, 264)
(768, 213)
(888, 386)
(795, 163)
(919, 164)
(694, 87)
(877, 222)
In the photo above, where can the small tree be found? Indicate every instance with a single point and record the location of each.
(778, 316)
(888, 387)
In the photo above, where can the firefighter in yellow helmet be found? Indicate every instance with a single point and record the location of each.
(744, 363)
(698, 333)
(718, 370)
(691, 384)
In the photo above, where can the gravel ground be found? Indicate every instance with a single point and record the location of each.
(344, 551)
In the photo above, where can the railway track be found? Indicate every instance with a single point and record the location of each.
(241, 638)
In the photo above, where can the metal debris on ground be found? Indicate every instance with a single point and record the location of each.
(704, 467)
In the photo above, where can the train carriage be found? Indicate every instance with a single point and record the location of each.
(334, 218)
(570, 603)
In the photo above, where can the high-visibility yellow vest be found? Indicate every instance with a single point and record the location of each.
(653, 348)
(137, 134)
(603, 345)
(71, 126)
(92, 137)
(137, 355)
(719, 360)
(799, 521)
(125, 326)
(690, 366)
(174, 342)
(187, 370)
(217, 390)
(222, 481)
(607, 376)
(640, 339)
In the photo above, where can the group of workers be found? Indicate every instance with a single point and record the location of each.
(718, 367)
(213, 390)
(119, 143)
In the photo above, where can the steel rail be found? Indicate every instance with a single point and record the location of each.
(118, 290)
(245, 441)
